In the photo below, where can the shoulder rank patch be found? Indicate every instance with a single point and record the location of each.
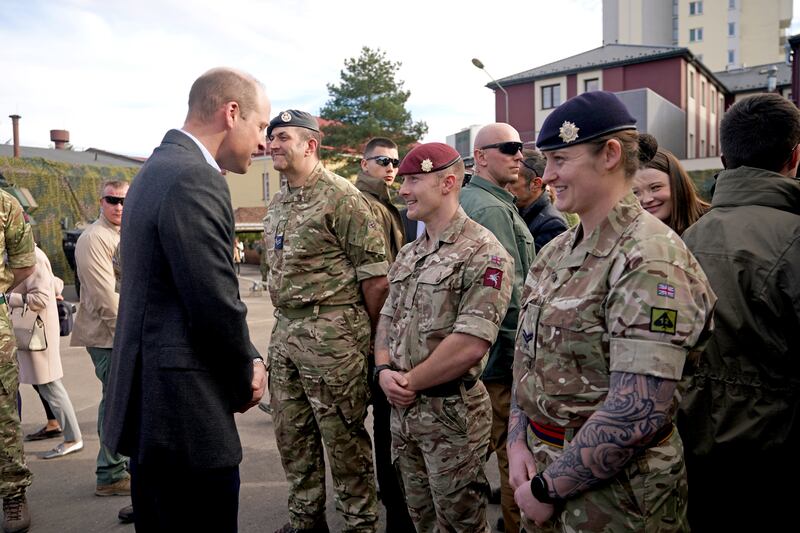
(665, 289)
(493, 277)
(663, 320)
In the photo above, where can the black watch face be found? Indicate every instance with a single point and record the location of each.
(539, 489)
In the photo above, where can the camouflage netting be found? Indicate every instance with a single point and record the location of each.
(62, 191)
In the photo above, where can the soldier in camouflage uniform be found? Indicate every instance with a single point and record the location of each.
(17, 262)
(327, 278)
(449, 292)
(611, 310)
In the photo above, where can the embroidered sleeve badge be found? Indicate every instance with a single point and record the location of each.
(663, 320)
(665, 289)
(493, 277)
(568, 131)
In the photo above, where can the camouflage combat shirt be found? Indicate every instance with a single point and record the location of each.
(16, 251)
(629, 297)
(459, 284)
(321, 241)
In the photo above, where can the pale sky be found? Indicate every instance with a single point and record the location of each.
(116, 74)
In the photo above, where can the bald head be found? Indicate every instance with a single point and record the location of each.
(494, 160)
(496, 133)
(221, 85)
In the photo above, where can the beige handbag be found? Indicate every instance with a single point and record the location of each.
(32, 339)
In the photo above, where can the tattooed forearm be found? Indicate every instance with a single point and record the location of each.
(382, 341)
(635, 409)
(517, 421)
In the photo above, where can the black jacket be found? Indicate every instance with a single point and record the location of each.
(183, 360)
(544, 221)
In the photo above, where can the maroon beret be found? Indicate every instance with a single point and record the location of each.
(429, 157)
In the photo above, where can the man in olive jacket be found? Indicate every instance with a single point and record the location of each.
(486, 201)
(740, 417)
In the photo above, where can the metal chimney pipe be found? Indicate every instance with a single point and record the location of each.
(60, 138)
(15, 125)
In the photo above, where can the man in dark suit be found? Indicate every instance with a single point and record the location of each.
(183, 362)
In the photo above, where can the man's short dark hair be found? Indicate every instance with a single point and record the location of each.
(532, 166)
(378, 142)
(760, 131)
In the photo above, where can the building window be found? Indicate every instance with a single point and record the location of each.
(713, 103)
(731, 4)
(731, 29)
(696, 8)
(691, 85)
(695, 34)
(703, 93)
(551, 96)
(731, 57)
(592, 84)
(265, 186)
(691, 145)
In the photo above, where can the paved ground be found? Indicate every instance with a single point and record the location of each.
(62, 495)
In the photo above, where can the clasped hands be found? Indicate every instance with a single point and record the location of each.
(397, 388)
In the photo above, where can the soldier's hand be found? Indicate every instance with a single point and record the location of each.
(521, 467)
(258, 386)
(394, 386)
(534, 509)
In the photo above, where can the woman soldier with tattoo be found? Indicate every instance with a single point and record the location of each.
(611, 311)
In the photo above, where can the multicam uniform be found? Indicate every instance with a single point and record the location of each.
(459, 284)
(321, 241)
(628, 298)
(16, 251)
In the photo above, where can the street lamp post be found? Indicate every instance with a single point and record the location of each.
(477, 62)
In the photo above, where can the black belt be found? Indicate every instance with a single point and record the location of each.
(554, 436)
(450, 388)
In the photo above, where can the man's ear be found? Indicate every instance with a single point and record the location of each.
(448, 183)
(537, 183)
(232, 112)
(364, 165)
(612, 154)
(791, 169)
(311, 146)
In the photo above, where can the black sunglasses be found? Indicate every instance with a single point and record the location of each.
(508, 148)
(384, 161)
(114, 200)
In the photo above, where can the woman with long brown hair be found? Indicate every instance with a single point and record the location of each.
(666, 191)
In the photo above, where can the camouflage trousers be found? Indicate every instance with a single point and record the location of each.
(649, 495)
(318, 384)
(439, 447)
(14, 475)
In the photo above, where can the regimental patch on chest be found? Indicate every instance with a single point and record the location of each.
(493, 277)
(663, 320)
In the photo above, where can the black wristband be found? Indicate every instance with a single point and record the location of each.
(540, 489)
(377, 370)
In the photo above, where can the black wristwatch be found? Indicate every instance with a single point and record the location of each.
(540, 489)
(377, 370)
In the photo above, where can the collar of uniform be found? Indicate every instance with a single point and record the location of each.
(300, 194)
(374, 186)
(486, 185)
(450, 233)
(605, 236)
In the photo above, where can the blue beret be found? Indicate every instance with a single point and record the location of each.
(583, 118)
(293, 117)
(429, 157)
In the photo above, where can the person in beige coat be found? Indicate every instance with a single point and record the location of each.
(36, 297)
(96, 320)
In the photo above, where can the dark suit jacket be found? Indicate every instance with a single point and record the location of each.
(182, 360)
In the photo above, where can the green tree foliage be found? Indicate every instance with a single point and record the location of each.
(368, 102)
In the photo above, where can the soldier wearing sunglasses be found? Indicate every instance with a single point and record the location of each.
(378, 170)
(498, 152)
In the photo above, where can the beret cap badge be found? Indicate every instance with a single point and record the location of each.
(426, 165)
(286, 117)
(568, 131)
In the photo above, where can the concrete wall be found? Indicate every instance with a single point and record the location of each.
(637, 22)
